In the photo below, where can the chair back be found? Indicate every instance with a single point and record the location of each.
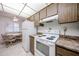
(4, 37)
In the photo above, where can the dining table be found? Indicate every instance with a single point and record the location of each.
(13, 37)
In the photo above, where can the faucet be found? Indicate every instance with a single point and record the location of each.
(65, 29)
(50, 29)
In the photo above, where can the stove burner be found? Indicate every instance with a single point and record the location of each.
(51, 38)
(41, 35)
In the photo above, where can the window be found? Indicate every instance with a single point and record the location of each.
(13, 27)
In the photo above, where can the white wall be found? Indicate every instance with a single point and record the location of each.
(3, 23)
(72, 28)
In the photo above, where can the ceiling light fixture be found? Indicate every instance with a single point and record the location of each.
(15, 19)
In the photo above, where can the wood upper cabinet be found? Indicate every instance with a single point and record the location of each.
(31, 18)
(52, 9)
(67, 12)
(43, 14)
(37, 19)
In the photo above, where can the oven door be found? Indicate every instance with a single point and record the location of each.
(42, 48)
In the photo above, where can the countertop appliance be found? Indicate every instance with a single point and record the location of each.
(27, 29)
(45, 44)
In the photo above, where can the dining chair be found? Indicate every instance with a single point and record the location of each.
(7, 40)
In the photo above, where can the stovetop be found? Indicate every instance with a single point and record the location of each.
(48, 37)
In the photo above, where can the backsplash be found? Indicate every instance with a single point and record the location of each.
(45, 29)
(72, 28)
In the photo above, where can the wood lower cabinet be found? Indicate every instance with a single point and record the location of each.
(52, 9)
(68, 12)
(32, 45)
(78, 11)
(61, 51)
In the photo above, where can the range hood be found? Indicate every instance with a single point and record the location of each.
(52, 18)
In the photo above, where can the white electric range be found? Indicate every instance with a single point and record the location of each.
(45, 44)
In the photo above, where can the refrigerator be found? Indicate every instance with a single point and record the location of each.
(27, 29)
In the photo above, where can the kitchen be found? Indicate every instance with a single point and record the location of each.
(63, 31)
(52, 31)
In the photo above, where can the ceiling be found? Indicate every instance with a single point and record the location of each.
(22, 9)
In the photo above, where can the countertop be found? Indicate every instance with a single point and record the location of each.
(71, 43)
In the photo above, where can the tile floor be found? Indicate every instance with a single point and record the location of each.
(15, 50)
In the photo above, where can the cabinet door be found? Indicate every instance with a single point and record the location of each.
(32, 45)
(52, 10)
(78, 11)
(32, 18)
(65, 52)
(67, 12)
(43, 14)
(36, 16)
